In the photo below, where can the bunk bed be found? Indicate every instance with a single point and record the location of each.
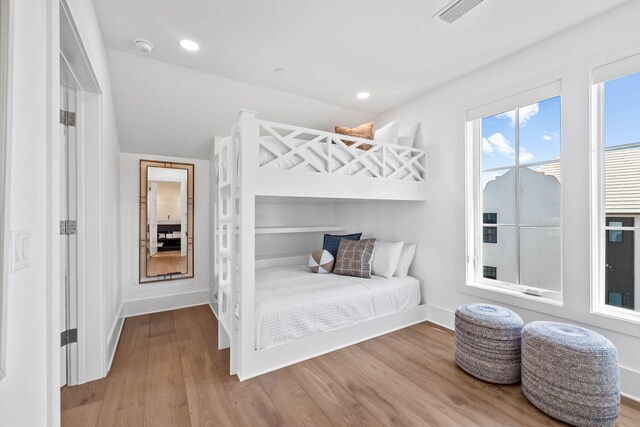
(262, 302)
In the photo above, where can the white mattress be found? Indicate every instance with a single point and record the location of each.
(293, 303)
(340, 156)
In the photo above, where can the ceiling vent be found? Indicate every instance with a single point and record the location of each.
(456, 9)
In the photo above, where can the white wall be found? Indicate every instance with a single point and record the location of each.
(439, 225)
(29, 394)
(148, 297)
(23, 392)
(169, 201)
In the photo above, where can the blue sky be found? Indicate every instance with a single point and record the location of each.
(539, 135)
(622, 110)
(540, 126)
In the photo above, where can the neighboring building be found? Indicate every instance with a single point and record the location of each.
(539, 206)
(540, 202)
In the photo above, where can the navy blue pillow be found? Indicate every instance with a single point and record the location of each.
(331, 242)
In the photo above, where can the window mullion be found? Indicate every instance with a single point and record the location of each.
(517, 190)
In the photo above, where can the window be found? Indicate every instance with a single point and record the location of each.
(489, 234)
(489, 272)
(516, 178)
(618, 284)
(615, 236)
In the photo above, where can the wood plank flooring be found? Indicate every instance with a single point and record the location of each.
(168, 372)
(166, 263)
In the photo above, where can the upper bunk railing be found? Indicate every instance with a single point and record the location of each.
(301, 150)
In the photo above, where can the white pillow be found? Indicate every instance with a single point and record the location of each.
(407, 136)
(406, 258)
(385, 258)
(387, 134)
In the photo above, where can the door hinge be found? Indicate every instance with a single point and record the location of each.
(67, 227)
(67, 118)
(68, 337)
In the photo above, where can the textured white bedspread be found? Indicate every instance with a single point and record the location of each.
(339, 158)
(292, 303)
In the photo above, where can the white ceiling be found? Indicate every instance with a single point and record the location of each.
(332, 49)
(168, 110)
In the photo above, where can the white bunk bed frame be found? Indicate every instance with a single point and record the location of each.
(240, 179)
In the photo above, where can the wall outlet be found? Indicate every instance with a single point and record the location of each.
(20, 249)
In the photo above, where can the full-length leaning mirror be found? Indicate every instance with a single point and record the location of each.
(166, 221)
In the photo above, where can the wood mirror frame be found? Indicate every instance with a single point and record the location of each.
(143, 233)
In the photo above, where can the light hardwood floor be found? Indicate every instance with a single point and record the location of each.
(168, 372)
(166, 263)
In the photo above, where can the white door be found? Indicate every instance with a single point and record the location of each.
(68, 241)
(153, 218)
(64, 242)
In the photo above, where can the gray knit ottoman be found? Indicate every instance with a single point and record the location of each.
(488, 342)
(571, 373)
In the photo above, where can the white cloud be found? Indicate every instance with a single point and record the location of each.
(525, 155)
(487, 148)
(526, 113)
(548, 136)
(499, 143)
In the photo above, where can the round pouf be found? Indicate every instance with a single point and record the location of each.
(571, 373)
(488, 342)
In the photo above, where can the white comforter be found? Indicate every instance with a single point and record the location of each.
(292, 303)
(340, 157)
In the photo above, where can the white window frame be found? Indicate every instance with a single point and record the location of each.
(474, 196)
(4, 179)
(599, 76)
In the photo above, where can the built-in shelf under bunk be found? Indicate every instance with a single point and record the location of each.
(297, 229)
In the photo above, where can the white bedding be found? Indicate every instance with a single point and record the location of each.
(339, 157)
(293, 303)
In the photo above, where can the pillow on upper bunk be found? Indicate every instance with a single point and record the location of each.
(364, 131)
(385, 258)
(387, 134)
(407, 136)
(331, 242)
(406, 258)
(354, 258)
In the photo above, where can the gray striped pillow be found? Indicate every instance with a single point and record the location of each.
(354, 258)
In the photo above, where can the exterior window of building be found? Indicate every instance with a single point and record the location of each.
(517, 179)
(489, 272)
(619, 103)
(615, 236)
(489, 234)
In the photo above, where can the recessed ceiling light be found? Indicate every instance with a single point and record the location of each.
(189, 45)
(279, 70)
(364, 95)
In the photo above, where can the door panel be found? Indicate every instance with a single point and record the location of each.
(619, 268)
(63, 240)
(153, 218)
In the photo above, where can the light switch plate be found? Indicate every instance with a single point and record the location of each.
(20, 249)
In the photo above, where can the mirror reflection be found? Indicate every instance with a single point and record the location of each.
(166, 217)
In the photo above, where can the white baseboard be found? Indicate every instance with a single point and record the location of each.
(441, 316)
(630, 383)
(114, 336)
(165, 302)
(629, 378)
